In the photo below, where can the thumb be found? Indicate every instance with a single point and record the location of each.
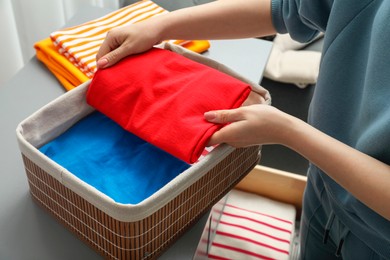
(223, 116)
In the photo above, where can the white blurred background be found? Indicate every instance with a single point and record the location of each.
(24, 22)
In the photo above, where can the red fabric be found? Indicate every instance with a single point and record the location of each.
(161, 97)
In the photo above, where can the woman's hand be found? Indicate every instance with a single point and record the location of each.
(254, 99)
(352, 169)
(127, 40)
(249, 125)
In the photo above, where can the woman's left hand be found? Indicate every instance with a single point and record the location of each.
(249, 125)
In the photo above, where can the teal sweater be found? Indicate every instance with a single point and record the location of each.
(352, 97)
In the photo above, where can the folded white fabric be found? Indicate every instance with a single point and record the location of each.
(254, 227)
(288, 63)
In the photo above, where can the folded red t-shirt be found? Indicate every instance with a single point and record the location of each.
(161, 97)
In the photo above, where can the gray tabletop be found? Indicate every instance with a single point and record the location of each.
(27, 231)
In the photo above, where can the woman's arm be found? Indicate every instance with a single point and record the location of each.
(365, 177)
(220, 19)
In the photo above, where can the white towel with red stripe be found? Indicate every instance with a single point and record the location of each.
(254, 227)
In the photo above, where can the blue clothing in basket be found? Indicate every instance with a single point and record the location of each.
(114, 161)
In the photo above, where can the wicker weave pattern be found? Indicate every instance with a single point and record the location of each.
(149, 237)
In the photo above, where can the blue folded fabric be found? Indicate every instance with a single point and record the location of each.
(114, 161)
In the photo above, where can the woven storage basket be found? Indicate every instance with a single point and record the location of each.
(123, 231)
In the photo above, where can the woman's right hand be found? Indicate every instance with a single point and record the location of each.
(214, 20)
(127, 40)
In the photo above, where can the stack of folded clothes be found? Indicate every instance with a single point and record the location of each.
(70, 53)
(254, 227)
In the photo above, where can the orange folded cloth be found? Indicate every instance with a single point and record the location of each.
(67, 73)
(71, 54)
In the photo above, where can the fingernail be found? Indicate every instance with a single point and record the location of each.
(102, 63)
(210, 116)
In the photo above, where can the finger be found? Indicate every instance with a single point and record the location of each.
(111, 58)
(227, 134)
(104, 49)
(112, 50)
(254, 98)
(214, 139)
(223, 116)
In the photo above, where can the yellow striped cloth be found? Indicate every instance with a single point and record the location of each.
(80, 44)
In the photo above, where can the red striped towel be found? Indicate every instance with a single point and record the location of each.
(253, 227)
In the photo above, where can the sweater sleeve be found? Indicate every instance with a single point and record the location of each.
(302, 19)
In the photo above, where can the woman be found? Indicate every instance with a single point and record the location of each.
(347, 140)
